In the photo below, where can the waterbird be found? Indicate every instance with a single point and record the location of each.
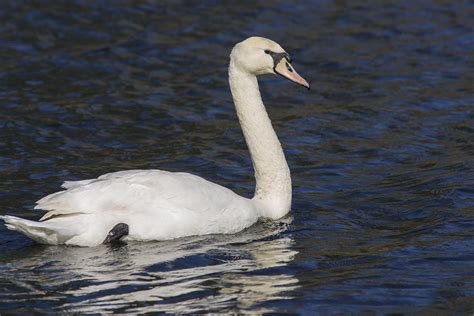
(144, 205)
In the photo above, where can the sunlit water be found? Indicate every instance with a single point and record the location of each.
(381, 152)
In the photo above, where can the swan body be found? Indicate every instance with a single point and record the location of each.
(161, 205)
(155, 204)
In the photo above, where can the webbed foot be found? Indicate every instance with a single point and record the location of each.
(120, 230)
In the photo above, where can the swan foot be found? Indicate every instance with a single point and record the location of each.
(120, 230)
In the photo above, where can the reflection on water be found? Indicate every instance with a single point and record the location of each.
(381, 152)
(188, 275)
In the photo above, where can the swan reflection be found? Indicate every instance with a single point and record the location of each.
(187, 275)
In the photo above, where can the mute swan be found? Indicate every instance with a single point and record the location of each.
(159, 205)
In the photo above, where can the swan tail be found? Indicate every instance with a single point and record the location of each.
(40, 232)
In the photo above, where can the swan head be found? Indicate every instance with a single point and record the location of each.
(259, 56)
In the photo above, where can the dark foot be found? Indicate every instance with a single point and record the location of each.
(120, 230)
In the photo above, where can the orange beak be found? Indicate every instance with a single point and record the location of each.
(284, 69)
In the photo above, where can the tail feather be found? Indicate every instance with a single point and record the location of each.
(38, 231)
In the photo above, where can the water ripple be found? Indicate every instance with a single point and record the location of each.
(380, 151)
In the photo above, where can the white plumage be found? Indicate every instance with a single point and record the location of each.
(161, 205)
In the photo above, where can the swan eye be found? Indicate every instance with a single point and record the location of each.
(267, 51)
(289, 68)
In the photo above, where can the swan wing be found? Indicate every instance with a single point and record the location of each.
(138, 191)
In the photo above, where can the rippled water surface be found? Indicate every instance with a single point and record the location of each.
(381, 152)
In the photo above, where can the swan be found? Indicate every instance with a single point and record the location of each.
(144, 205)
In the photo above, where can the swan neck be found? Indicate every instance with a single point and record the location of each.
(272, 175)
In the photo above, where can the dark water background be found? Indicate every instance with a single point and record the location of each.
(381, 152)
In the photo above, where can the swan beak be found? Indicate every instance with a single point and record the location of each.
(285, 69)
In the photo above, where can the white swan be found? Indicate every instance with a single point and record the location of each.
(159, 205)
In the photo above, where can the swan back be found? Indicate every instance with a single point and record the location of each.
(156, 204)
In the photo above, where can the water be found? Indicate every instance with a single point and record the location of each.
(381, 152)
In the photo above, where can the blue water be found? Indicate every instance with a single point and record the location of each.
(381, 152)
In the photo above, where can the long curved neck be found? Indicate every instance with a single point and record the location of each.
(272, 175)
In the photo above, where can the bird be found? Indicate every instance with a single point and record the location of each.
(147, 205)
